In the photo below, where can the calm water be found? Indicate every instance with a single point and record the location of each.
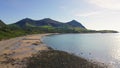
(98, 47)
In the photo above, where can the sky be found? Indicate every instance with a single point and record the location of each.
(93, 14)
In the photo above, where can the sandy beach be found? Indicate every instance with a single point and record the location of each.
(21, 47)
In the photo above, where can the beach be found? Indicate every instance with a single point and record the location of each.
(27, 51)
(21, 47)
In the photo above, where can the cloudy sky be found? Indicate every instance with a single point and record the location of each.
(94, 14)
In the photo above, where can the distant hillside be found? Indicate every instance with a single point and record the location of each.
(2, 24)
(48, 25)
(74, 23)
(28, 26)
(27, 22)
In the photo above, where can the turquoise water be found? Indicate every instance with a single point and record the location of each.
(98, 47)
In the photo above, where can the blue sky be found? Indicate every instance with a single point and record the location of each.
(94, 14)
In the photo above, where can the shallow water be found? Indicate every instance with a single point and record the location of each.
(98, 47)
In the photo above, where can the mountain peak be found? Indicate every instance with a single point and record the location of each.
(27, 19)
(48, 19)
(47, 22)
(23, 22)
(75, 23)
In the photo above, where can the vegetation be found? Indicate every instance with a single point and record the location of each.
(59, 59)
(107, 31)
(29, 26)
(51, 58)
(2, 24)
(13, 31)
(6, 32)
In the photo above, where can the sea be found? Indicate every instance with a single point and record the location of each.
(100, 47)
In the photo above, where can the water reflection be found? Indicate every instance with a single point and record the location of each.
(98, 47)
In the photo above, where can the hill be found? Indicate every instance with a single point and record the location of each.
(2, 24)
(27, 22)
(75, 23)
(29, 26)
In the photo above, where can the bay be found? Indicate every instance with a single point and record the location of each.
(102, 47)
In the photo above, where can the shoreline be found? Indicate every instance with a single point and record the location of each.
(22, 47)
(19, 45)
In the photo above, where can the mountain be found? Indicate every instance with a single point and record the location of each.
(23, 23)
(48, 25)
(27, 22)
(2, 24)
(74, 23)
(49, 22)
(29, 26)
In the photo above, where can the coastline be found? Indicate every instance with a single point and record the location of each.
(21, 44)
(22, 47)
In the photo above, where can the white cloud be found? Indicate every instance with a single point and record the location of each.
(109, 4)
(87, 14)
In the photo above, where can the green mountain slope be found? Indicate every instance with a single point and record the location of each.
(27, 22)
(2, 24)
(47, 25)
